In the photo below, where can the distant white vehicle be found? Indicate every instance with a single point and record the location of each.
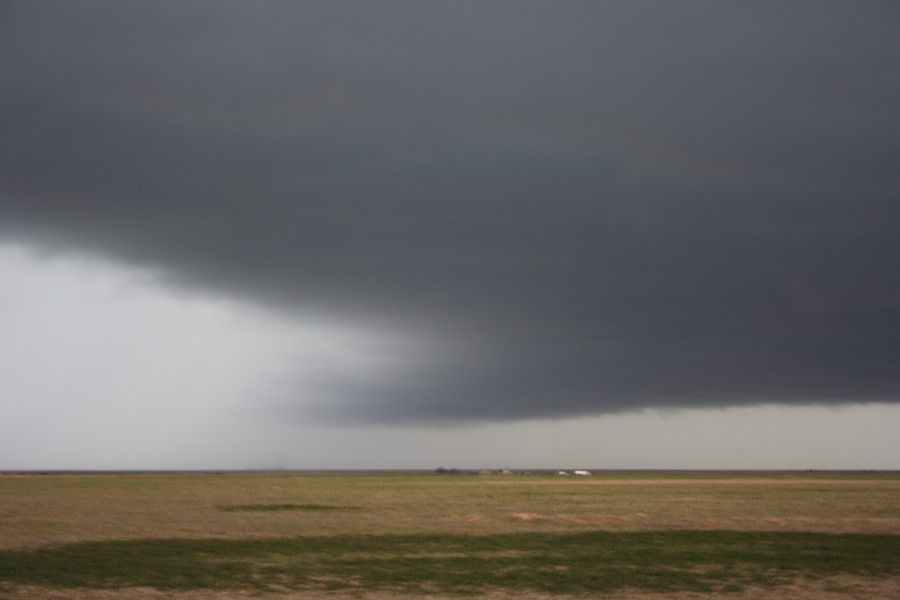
(583, 473)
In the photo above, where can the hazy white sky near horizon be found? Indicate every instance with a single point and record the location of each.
(106, 367)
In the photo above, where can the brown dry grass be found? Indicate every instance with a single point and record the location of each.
(834, 588)
(51, 509)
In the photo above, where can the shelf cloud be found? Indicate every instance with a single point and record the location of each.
(547, 210)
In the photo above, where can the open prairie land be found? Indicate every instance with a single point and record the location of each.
(389, 535)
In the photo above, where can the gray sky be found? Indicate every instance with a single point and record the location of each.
(389, 234)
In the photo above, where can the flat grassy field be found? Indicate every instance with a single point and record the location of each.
(394, 534)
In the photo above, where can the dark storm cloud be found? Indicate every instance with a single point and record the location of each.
(595, 206)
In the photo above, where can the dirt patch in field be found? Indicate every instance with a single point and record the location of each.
(832, 588)
(526, 517)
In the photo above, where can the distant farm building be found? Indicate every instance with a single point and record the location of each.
(583, 473)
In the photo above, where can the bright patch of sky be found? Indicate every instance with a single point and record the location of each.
(105, 367)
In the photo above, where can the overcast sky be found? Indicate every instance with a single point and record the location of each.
(403, 234)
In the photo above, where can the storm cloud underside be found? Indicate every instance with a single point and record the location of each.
(573, 208)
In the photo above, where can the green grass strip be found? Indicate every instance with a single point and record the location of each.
(590, 562)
